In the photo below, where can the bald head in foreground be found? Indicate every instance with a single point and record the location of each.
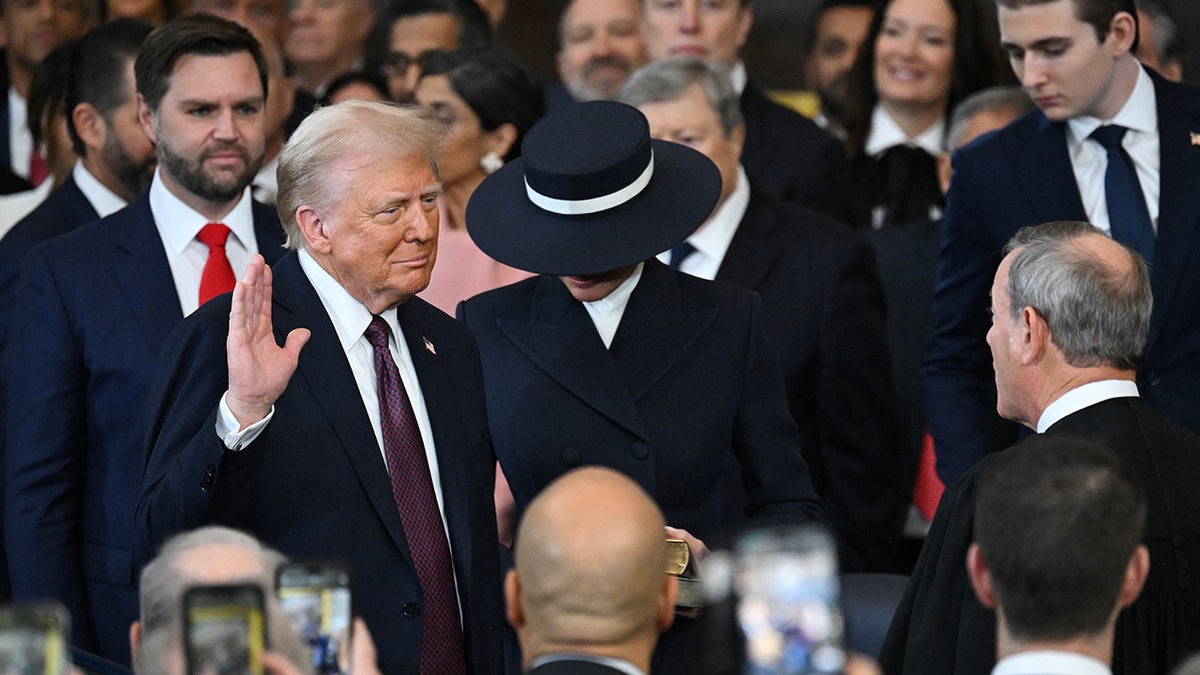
(588, 583)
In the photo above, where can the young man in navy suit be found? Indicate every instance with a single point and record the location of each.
(1075, 58)
(93, 308)
(369, 445)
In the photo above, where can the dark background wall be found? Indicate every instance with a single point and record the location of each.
(775, 51)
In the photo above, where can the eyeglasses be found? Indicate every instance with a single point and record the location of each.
(396, 64)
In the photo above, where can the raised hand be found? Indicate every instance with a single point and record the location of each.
(259, 369)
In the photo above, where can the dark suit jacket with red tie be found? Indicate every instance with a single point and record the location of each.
(689, 392)
(314, 483)
(93, 308)
(1022, 175)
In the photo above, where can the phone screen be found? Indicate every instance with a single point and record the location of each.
(224, 629)
(788, 601)
(33, 639)
(316, 599)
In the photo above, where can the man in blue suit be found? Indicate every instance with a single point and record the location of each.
(93, 308)
(1075, 58)
(371, 445)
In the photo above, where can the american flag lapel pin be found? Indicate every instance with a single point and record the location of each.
(1195, 138)
(429, 345)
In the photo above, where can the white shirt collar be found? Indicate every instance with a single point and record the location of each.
(1083, 396)
(349, 316)
(1140, 112)
(20, 138)
(713, 237)
(885, 133)
(105, 201)
(606, 312)
(616, 664)
(265, 186)
(738, 77)
(178, 224)
(1050, 662)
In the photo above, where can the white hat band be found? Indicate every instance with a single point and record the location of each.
(580, 207)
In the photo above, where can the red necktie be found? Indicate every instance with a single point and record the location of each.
(38, 170)
(442, 651)
(217, 277)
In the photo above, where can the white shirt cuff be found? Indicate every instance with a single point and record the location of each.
(227, 427)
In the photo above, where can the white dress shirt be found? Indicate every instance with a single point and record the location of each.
(606, 312)
(1050, 662)
(17, 205)
(711, 240)
(1090, 160)
(20, 138)
(105, 201)
(886, 133)
(616, 664)
(178, 226)
(1084, 396)
(265, 186)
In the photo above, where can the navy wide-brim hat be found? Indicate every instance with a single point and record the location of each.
(591, 193)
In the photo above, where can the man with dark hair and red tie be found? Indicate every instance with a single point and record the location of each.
(364, 437)
(94, 307)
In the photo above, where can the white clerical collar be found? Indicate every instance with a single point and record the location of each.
(1140, 112)
(606, 312)
(178, 224)
(349, 316)
(103, 200)
(886, 133)
(616, 664)
(1084, 396)
(1050, 662)
(713, 237)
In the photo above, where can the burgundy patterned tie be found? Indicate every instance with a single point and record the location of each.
(442, 640)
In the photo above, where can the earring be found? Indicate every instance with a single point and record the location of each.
(491, 162)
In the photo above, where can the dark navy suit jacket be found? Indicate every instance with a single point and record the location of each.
(939, 626)
(1021, 175)
(823, 309)
(314, 483)
(689, 393)
(787, 155)
(93, 308)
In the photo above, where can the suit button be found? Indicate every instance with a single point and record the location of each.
(411, 609)
(640, 451)
(206, 484)
(570, 457)
(210, 471)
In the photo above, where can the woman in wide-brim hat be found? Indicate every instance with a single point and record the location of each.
(611, 358)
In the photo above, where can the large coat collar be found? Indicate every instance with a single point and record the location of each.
(659, 324)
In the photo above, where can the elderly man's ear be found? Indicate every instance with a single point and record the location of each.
(135, 638)
(512, 600)
(315, 228)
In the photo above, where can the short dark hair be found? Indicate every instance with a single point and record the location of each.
(1096, 13)
(1057, 519)
(978, 64)
(97, 73)
(202, 34)
(369, 78)
(474, 31)
(48, 91)
(498, 88)
(810, 37)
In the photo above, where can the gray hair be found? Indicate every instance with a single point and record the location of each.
(1166, 31)
(1098, 313)
(1012, 100)
(667, 80)
(163, 585)
(346, 129)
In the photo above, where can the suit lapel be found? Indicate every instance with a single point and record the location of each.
(559, 338)
(1046, 176)
(656, 329)
(267, 231)
(326, 371)
(143, 273)
(1179, 210)
(750, 254)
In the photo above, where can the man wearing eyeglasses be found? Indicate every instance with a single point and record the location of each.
(410, 31)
